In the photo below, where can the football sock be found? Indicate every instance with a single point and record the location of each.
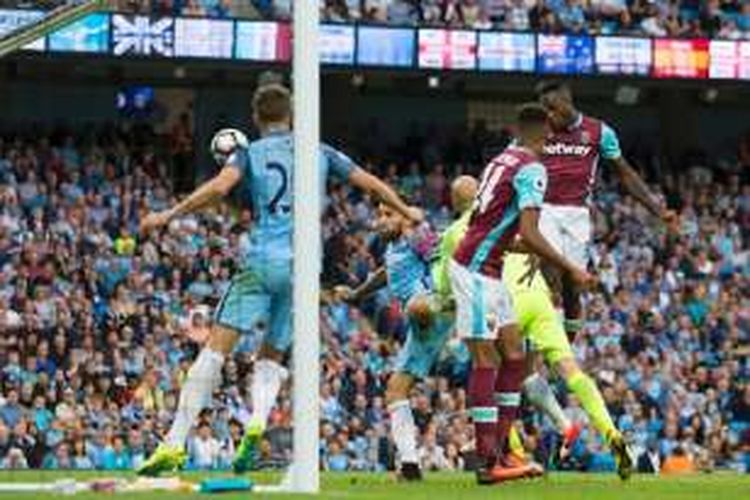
(267, 379)
(404, 431)
(592, 402)
(508, 396)
(201, 380)
(515, 443)
(538, 393)
(484, 413)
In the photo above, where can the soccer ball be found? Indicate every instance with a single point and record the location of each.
(225, 142)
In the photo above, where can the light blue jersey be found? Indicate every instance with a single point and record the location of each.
(259, 297)
(267, 167)
(408, 262)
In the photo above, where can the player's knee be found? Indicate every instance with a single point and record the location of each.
(484, 353)
(510, 343)
(222, 339)
(419, 310)
(267, 351)
(567, 367)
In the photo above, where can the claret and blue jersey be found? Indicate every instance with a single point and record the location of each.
(513, 181)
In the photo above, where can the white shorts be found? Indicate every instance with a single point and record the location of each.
(568, 229)
(483, 304)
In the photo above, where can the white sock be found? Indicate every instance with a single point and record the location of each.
(202, 379)
(267, 380)
(538, 392)
(404, 431)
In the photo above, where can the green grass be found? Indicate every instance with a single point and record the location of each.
(562, 486)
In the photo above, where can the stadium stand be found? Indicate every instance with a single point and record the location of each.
(93, 356)
(727, 19)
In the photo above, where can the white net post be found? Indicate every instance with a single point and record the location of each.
(305, 477)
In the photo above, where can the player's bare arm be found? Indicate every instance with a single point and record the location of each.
(374, 186)
(535, 241)
(374, 282)
(207, 194)
(638, 189)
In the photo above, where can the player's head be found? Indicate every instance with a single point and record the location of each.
(389, 223)
(557, 99)
(463, 192)
(532, 126)
(272, 106)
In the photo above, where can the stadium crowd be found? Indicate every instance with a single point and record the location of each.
(95, 342)
(728, 19)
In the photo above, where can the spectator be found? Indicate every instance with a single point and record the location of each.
(571, 16)
(204, 449)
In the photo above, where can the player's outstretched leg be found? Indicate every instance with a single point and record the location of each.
(202, 378)
(403, 428)
(267, 380)
(593, 404)
(538, 393)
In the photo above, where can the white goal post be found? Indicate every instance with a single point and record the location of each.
(304, 473)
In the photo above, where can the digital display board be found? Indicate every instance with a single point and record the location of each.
(336, 44)
(680, 58)
(447, 49)
(208, 38)
(506, 51)
(623, 56)
(141, 35)
(566, 54)
(385, 46)
(729, 59)
(12, 19)
(88, 34)
(263, 41)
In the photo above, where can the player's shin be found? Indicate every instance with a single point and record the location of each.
(538, 393)
(592, 402)
(508, 382)
(483, 411)
(267, 379)
(404, 431)
(571, 302)
(195, 395)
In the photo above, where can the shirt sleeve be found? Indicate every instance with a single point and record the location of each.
(339, 165)
(530, 184)
(610, 144)
(239, 159)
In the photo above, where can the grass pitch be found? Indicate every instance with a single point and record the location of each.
(559, 486)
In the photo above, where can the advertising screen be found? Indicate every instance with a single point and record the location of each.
(506, 51)
(385, 46)
(263, 41)
(729, 59)
(141, 35)
(11, 19)
(680, 58)
(88, 34)
(447, 49)
(204, 38)
(623, 56)
(336, 44)
(566, 54)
